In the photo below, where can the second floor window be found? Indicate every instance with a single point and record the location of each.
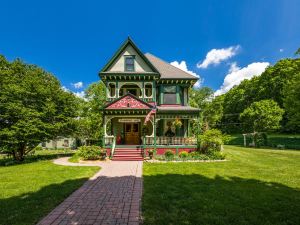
(129, 63)
(169, 95)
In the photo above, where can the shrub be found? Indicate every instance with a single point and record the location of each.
(169, 154)
(212, 140)
(183, 154)
(216, 155)
(91, 152)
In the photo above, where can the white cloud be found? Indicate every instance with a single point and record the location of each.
(79, 94)
(281, 50)
(216, 56)
(77, 85)
(236, 75)
(182, 65)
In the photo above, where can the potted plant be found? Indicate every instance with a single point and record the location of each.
(177, 123)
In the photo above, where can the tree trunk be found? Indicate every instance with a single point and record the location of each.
(19, 155)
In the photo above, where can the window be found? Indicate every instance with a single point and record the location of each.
(112, 89)
(170, 95)
(148, 90)
(129, 63)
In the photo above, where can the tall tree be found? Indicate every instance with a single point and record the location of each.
(89, 123)
(269, 85)
(33, 107)
(264, 115)
(291, 102)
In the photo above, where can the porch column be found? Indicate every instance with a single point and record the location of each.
(154, 131)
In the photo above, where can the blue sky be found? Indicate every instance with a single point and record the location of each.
(74, 39)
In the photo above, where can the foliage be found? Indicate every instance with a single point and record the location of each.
(291, 102)
(211, 108)
(212, 113)
(169, 154)
(265, 182)
(177, 123)
(297, 52)
(269, 85)
(33, 107)
(91, 152)
(264, 115)
(89, 124)
(183, 154)
(29, 191)
(212, 140)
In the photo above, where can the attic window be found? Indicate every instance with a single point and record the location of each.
(129, 63)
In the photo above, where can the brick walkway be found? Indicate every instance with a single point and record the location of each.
(112, 196)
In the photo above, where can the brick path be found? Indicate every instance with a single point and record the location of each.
(112, 196)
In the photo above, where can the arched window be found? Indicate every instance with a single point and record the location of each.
(148, 90)
(112, 90)
(131, 88)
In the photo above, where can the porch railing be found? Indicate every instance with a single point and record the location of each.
(109, 140)
(163, 140)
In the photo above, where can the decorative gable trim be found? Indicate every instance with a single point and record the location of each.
(119, 52)
(128, 101)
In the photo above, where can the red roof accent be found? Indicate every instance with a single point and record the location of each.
(128, 101)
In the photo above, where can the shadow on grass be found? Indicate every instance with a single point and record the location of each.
(29, 208)
(196, 199)
(33, 158)
(107, 196)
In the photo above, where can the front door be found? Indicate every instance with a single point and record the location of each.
(132, 134)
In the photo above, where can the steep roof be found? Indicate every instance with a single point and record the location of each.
(127, 42)
(167, 71)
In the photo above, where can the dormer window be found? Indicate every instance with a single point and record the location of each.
(129, 63)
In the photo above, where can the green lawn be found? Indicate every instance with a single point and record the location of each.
(31, 190)
(255, 186)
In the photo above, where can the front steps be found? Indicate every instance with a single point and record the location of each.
(128, 153)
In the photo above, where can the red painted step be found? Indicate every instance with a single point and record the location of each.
(127, 154)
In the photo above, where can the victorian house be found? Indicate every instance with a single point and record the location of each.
(147, 105)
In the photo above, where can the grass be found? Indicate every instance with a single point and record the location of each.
(255, 186)
(31, 190)
(35, 156)
(74, 159)
(290, 141)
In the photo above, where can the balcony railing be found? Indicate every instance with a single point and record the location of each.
(110, 99)
(171, 140)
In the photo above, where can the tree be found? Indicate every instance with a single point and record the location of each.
(33, 107)
(297, 52)
(89, 124)
(213, 112)
(200, 98)
(269, 85)
(291, 102)
(264, 115)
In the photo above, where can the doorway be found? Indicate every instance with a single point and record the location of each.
(132, 133)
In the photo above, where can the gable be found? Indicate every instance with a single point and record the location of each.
(116, 63)
(128, 102)
(140, 64)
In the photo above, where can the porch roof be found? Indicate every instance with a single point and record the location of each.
(177, 109)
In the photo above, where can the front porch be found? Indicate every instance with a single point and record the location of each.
(159, 133)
